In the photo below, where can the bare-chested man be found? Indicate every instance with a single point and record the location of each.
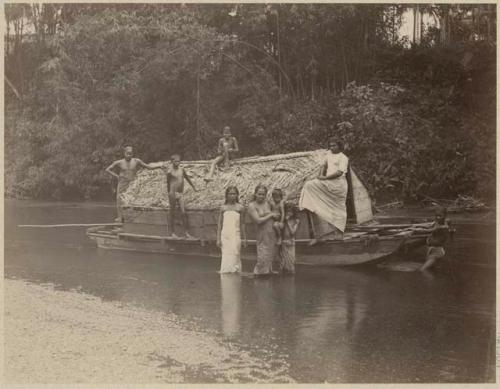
(226, 148)
(175, 186)
(128, 167)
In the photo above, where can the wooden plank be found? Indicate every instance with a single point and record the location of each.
(146, 229)
(153, 237)
(145, 217)
(67, 225)
(312, 228)
(196, 218)
(303, 230)
(210, 218)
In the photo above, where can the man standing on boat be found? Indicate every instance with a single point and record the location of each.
(128, 168)
(326, 195)
(175, 186)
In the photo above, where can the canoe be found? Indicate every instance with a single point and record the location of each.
(145, 227)
(355, 248)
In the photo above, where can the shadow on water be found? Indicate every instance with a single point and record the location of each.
(364, 324)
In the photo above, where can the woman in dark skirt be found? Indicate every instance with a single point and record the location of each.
(261, 214)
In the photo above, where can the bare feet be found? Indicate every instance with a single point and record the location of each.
(173, 236)
(188, 236)
(312, 242)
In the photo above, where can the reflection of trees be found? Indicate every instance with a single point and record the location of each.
(413, 331)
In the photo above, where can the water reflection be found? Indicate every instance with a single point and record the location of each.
(332, 324)
(230, 287)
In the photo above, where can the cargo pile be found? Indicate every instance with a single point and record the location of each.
(286, 171)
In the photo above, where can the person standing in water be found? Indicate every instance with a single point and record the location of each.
(175, 186)
(260, 213)
(128, 167)
(287, 248)
(277, 204)
(437, 239)
(227, 147)
(230, 230)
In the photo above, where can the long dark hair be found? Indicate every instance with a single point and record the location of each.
(338, 142)
(230, 188)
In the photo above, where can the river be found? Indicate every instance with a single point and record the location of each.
(345, 325)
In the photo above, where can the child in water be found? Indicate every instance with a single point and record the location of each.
(230, 229)
(277, 204)
(437, 239)
(287, 249)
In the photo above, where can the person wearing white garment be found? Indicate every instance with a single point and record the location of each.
(326, 195)
(230, 230)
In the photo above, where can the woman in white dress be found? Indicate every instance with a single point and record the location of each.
(230, 230)
(326, 195)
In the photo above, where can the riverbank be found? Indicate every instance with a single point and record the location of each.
(54, 336)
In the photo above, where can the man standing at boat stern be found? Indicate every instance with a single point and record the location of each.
(128, 168)
(326, 195)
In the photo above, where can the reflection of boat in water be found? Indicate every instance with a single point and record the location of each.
(145, 227)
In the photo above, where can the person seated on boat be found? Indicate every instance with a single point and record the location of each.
(127, 170)
(277, 204)
(226, 149)
(175, 186)
(437, 239)
(326, 195)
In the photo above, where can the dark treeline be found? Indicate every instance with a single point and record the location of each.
(83, 80)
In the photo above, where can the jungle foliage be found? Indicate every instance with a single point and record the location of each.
(84, 80)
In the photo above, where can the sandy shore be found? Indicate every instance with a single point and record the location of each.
(56, 336)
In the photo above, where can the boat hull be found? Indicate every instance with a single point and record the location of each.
(321, 253)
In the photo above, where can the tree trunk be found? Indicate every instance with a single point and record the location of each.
(344, 60)
(198, 129)
(444, 25)
(280, 81)
(7, 38)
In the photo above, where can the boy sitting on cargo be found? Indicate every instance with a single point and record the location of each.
(175, 186)
(227, 147)
(437, 239)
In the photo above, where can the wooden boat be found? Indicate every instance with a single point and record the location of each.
(145, 227)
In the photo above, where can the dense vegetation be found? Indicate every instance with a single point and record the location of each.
(88, 79)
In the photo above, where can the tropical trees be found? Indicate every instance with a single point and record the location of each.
(82, 80)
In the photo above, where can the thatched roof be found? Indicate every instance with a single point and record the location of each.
(285, 171)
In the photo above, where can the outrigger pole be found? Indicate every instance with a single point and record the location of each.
(67, 225)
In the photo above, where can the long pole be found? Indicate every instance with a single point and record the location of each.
(67, 225)
(198, 130)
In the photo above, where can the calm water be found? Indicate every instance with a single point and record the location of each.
(331, 324)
